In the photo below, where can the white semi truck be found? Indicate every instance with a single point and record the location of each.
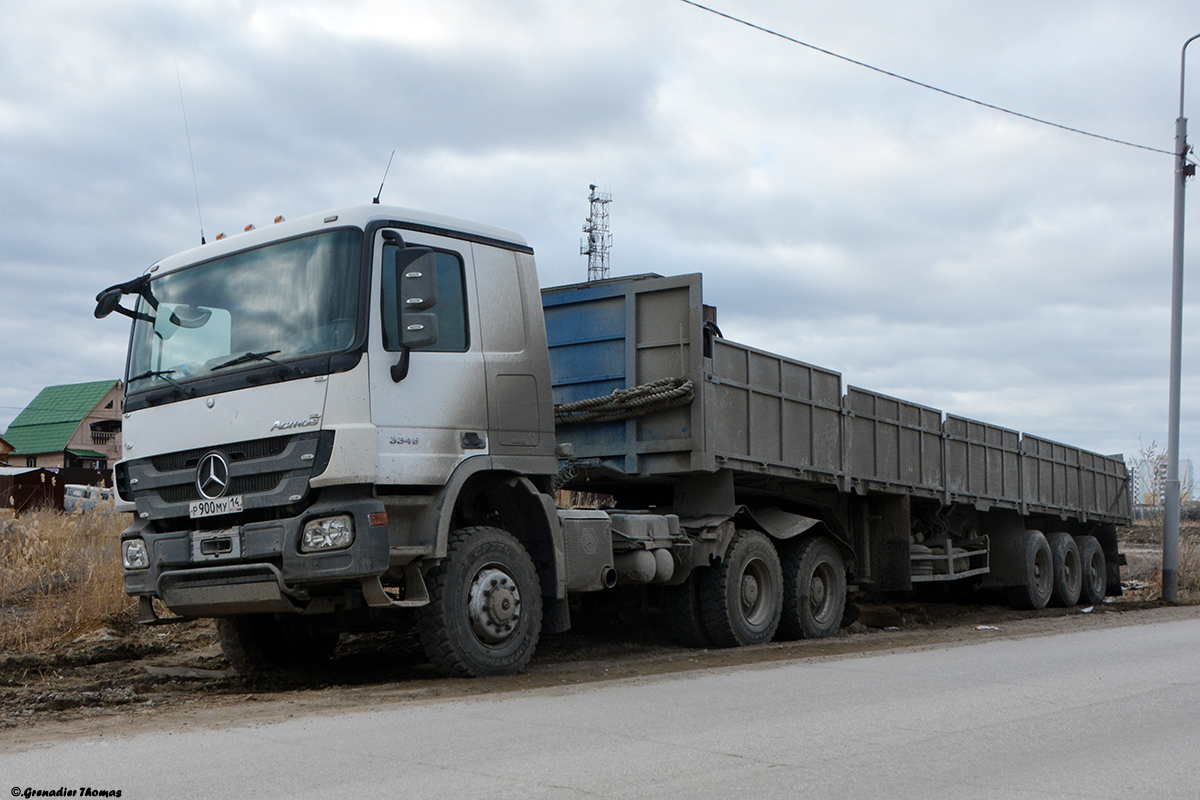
(359, 420)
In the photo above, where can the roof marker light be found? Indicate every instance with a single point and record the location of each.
(220, 236)
(249, 227)
(279, 219)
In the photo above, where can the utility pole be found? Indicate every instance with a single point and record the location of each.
(1183, 171)
(599, 240)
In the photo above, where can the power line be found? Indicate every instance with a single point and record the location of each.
(787, 38)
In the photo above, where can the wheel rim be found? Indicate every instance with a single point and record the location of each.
(1095, 572)
(820, 599)
(493, 605)
(756, 590)
(1071, 573)
(1043, 572)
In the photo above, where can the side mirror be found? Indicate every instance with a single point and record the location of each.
(107, 301)
(418, 330)
(416, 278)
(416, 285)
(190, 316)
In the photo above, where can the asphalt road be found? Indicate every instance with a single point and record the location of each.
(1100, 713)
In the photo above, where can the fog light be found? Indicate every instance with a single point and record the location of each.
(331, 533)
(134, 555)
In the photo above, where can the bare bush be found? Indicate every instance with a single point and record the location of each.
(60, 575)
(1142, 545)
(1189, 564)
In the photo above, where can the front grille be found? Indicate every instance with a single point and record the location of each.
(240, 451)
(269, 473)
(245, 484)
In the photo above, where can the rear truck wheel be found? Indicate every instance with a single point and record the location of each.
(268, 643)
(741, 598)
(1034, 590)
(683, 612)
(485, 606)
(1068, 576)
(1094, 570)
(814, 589)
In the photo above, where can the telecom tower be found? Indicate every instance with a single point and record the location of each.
(599, 240)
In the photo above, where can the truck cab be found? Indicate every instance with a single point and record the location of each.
(311, 407)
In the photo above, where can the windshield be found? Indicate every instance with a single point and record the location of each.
(273, 304)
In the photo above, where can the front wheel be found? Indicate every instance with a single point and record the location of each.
(814, 589)
(485, 611)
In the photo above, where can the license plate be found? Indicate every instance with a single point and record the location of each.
(212, 508)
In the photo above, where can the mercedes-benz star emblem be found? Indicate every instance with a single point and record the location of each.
(212, 476)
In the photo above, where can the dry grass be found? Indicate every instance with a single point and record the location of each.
(60, 576)
(1189, 564)
(1142, 545)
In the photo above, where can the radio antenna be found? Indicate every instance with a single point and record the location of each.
(385, 172)
(188, 134)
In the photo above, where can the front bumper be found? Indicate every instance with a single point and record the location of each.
(258, 566)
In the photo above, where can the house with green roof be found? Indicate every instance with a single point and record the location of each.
(73, 425)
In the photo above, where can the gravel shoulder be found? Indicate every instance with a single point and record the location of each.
(126, 679)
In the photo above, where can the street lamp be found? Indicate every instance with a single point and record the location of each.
(1183, 170)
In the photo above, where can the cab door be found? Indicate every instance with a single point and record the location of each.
(436, 415)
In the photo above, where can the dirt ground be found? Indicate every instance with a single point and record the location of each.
(124, 679)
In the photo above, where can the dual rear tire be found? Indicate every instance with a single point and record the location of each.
(1061, 570)
(758, 593)
(1094, 571)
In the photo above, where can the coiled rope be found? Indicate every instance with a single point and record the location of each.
(627, 403)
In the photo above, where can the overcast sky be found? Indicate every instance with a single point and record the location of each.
(923, 246)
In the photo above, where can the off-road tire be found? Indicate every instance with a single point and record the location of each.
(741, 598)
(269, 643)
(1068, 571)
(814, 589)
(683, 612)
(1094, 570)
(464, 634)
(1038, 580)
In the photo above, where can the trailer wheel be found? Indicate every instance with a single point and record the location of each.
(814, 589)
(1067, 573)
(485, 606)
(1034, 591)
(741, 598)
(1094, 569)
(267, 643)
(683, 612)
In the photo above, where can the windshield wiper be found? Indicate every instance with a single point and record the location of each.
(153, 373)
(246, 358)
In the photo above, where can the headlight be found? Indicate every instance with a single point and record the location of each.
(330, 533)
(134, 555)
